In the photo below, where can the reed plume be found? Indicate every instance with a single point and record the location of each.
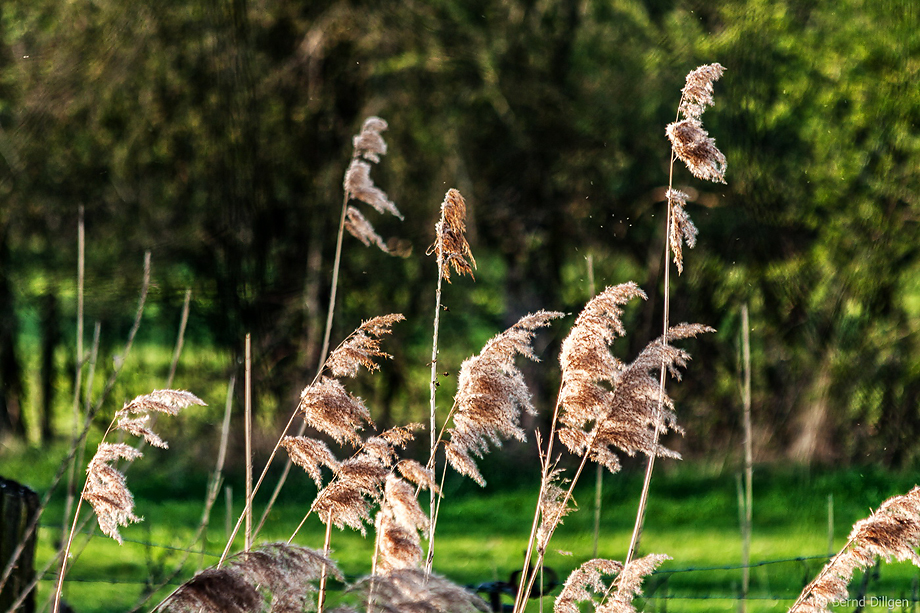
(368, 147)
(106, 489)
(893, 531)
(583, 583)
(451, 247)
(691, 144)
(492, 394)
(276, 576)
(413, 590)
(627, 416)
(452, 250)
(689, 140)
(587, 581)
(629, 584)
(398, 524)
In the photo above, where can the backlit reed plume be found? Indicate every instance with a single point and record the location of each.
(276, 576)
(359, 227)
(626, 416)
(399, 523)
(586, 582)
(893, 531)
(492, 394)
(369, 146)
(689, 140)
(681, 229)
(106, 489)
(357, 483)
(450, 243)
(413, 590)
(452, 251)
(603, 404)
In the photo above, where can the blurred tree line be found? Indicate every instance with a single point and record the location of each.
(215, 134)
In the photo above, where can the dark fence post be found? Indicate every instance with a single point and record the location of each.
(18, 506)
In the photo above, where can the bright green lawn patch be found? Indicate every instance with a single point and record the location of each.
(482, 535)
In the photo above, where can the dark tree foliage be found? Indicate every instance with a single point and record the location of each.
(216, 134)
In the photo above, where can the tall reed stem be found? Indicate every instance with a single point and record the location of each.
(433, 386)
(650, 467)
(323, 575)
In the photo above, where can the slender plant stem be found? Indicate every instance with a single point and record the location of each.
(73, 531)
(247, 399)
(180, 339)
(748, 456)
(650, 467)
(81, 359)
(323, 575)
(433, 387)
(330, 313)
(87, 422)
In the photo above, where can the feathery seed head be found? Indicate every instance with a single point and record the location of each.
(328, 407)
(414, 590)
(369, 144)
(583, 583)
(161, 401)
(106, 489)
(450, 243)
(629, 583)
(359, 185)
(311, 455)
(681, 229)
(359, 227)
(361, 347)
(492, 393)
(692, 144)
(285, 571)
(893, 531)
(697, 92)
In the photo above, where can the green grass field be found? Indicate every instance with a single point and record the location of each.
(692, 517)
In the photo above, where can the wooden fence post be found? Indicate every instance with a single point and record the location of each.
(18, 506)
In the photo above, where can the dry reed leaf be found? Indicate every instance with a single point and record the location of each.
(106, 489)
(362, 347)
(697, 92)
(311, 455)
(359, 227)
(629, 584)
(280, 572)
(491, 395)
(583, 583)
(893, 531)
(681, 229)
(328, 407)
(692, 144)
(450, 242)
(413, 590)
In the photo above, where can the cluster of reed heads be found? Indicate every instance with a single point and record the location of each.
(604, 407)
